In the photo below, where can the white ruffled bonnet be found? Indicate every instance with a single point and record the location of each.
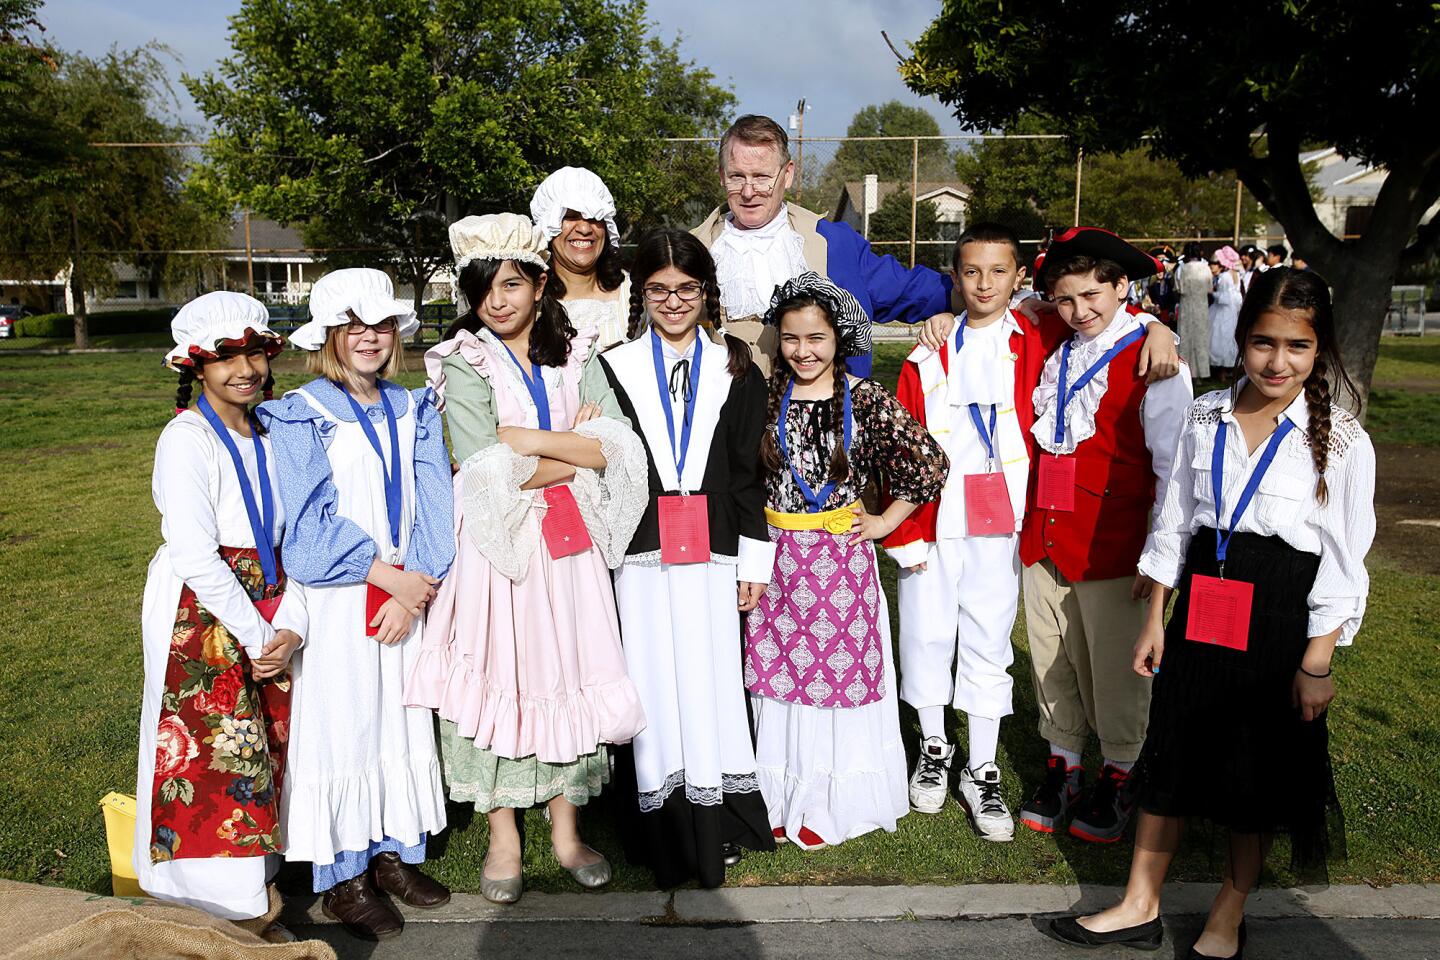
(494, 236)
(578, 189)
(363, 291)
(214, 320)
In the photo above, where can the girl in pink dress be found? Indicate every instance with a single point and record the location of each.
(521, 655)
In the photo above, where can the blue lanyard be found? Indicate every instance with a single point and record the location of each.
(536, 386)
(1217, 481)
(814, 501)
(393, 495)
(987, 438)
(1062, 398)
(263, 528)
(683, 450)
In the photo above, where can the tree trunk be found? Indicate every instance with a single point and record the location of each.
(1362, 293)
(77, 285)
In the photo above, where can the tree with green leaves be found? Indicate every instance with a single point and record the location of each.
(1022, 183)
(82, 209)
(890, 160)
(376, 123)
(1249, 97)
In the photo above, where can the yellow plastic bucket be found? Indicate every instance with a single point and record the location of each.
(120, 837)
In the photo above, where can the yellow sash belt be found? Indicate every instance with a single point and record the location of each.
(834, 521)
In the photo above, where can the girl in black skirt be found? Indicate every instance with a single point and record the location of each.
(1269, 582)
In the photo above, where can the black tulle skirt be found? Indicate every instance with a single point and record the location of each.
(1225, 741)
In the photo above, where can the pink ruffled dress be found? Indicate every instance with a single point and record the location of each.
(521, 653)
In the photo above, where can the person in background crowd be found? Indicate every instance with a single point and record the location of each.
(575, 209)
(1193, 284)
(1159, 298)
(1298, 262)
(759, 241)
(1224, 308)
(1275, 255)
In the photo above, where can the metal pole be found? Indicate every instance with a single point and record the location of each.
(1238, 189)
(249, 257)
(800, 150)
(1079, 174)
(914, 191)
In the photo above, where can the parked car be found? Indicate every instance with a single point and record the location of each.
(9, 313)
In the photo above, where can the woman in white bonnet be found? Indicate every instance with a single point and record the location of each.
(577, 212)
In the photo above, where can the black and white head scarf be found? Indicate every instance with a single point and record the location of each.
(850, 317)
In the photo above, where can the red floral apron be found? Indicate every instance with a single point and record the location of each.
(220, 747)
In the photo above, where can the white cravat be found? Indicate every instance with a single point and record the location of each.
(750, 264)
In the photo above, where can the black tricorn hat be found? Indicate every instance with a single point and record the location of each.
(1100, 244)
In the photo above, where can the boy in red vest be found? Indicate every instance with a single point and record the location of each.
(1106, 442)
(960, 578)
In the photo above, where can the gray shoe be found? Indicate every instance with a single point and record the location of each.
(592, 875)
(503, 891)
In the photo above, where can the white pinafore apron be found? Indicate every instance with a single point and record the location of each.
(365, 765)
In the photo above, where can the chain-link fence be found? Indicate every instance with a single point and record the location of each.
(911, 197)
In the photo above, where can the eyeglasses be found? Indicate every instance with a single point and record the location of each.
(688, 292)
(357, 327)
(763, 185)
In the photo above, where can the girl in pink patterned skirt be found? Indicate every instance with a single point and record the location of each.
(818, 661)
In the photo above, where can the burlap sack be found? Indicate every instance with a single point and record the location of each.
(53, 923)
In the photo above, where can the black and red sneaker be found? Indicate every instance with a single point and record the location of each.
(1061, 788)
(1106, 811)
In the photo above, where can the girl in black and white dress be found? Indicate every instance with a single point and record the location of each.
(698, 403)
(1237, 730)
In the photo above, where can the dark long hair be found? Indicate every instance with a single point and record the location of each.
(1286, 289)
(669, 247)
(780, 378)
(552, 331)
(609, 270)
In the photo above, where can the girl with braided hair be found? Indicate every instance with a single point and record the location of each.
(220, 624)
(1263, 533)
(699, 554)
(818, 660)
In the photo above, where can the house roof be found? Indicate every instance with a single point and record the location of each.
(267, 236)
(853, 192)
(1338, 176)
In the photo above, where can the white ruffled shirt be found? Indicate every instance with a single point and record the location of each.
(1340, 531)
(1162, 411)
(750, 264)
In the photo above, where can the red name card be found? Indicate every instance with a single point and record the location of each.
(1219, 612)
(987, 505)
(684, 529)
(267, 608)
(375, 599)
(1056, 487)
(563, 527)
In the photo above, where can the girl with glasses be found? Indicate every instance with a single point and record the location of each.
(699, 555)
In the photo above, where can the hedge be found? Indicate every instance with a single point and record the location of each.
(108, 323)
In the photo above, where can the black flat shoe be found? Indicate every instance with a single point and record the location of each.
(730, 854)
(1145, 936)
(1239, 953)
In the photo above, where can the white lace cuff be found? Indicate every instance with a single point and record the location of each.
(756, 561)
(613, 499)
(495, 509)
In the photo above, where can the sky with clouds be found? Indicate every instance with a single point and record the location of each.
(828, 51)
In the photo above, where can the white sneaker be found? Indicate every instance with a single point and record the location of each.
(931, 779)
(979, 794)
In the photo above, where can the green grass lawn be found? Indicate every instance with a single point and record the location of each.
(77, 529)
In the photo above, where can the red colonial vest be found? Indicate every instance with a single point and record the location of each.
(1114, 490)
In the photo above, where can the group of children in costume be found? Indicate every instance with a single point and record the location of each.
(634, 537)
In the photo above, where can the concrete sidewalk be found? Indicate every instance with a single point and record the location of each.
(997, 922)
(750, 905)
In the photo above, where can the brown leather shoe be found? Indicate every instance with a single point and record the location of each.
(407, 883)
(362, 911)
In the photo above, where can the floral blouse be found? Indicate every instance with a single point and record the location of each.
(887, 444)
